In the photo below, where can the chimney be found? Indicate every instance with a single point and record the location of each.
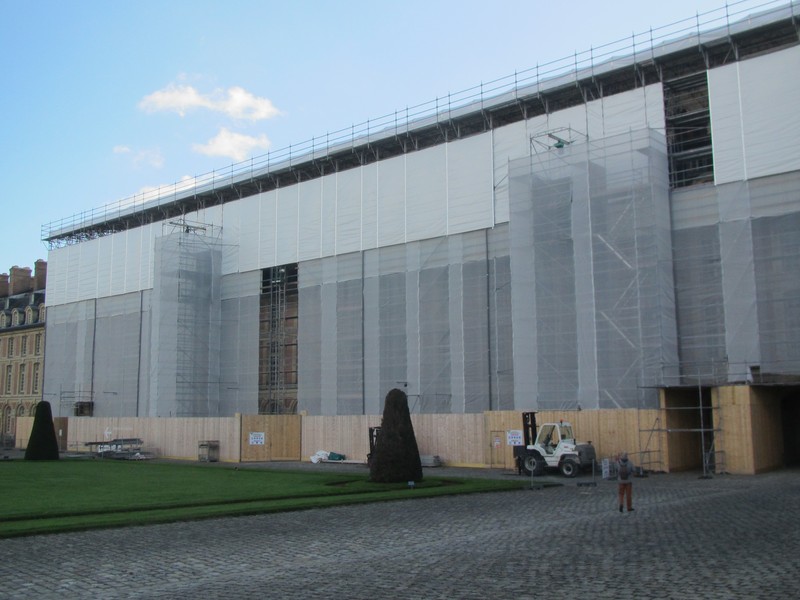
(20, 280)
(40, 275)
(4, 285)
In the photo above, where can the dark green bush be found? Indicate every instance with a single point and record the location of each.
(396, 456)
(43, 444)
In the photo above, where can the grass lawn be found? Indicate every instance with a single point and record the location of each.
(68, 495)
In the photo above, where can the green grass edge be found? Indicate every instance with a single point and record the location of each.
(194, 512)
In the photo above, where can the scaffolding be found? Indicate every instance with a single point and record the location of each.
(692, 382)
(79, 403)
(189, 301)
(688, 121)
(277, 378)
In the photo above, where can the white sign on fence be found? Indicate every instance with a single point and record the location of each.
(257, 438)
(514, 437)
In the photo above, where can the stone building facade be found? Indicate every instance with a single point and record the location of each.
(22, 319)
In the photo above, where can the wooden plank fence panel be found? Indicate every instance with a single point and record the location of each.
(347, 434)
(458, 439)
(736, 441)
(285, 431)
(177, 438)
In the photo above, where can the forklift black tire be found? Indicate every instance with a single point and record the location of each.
(533, 464)
(569, 467)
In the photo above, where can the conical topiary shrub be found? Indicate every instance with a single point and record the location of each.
(396, 456)
(43, 444)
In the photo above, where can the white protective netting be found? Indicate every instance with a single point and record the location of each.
(593, 305)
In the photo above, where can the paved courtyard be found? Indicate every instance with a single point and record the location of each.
(725, 537)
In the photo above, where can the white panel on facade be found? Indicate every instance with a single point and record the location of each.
(286, 230)
(392, 201)
(755, 123)
(618, 113)
(87, 277)
(73, 269)
(369, 206)
(245, 232)
(118, 258)
(105, 250)
(726, 123)
(232, 235)
(148, 244)
(310, 225)
(509, 143)
(469, 183)
(58, 263)
(133, 260)
(329, 200)
(426, 193)
(268, 230)
(770, 98)
(595, 121)
(654, 101)
(211, 215)
(348, 211)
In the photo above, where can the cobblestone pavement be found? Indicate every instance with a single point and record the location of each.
(725, 537)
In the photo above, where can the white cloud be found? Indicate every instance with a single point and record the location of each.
(232, 145)
(152, 158)
(121, 150)
(235, 102)
(241, 104)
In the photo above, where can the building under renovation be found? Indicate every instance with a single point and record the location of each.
(620, 229)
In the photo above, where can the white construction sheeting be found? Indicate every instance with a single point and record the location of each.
(425, 204)
(348, 212)
(470, 197)
(735, 249)
(755, 124)
(592, 296)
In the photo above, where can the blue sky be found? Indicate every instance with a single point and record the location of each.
(102, 100)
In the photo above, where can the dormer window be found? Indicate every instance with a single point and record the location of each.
(41, 313)
(15, 317)
(4, 319)
(30, 314)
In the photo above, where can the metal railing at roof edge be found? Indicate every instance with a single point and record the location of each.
(438, 109)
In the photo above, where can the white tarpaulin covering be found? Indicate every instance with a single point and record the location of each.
(592, 293)
(755, 123)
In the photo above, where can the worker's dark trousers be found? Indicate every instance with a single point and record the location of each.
(626, 492)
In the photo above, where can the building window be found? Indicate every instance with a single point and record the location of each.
(35, 389)
(37, 344)
(8, 379)
(7, 422)
(23, 350)
(10, 347)
(21, 389)
(15, 317)
(41, 313)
